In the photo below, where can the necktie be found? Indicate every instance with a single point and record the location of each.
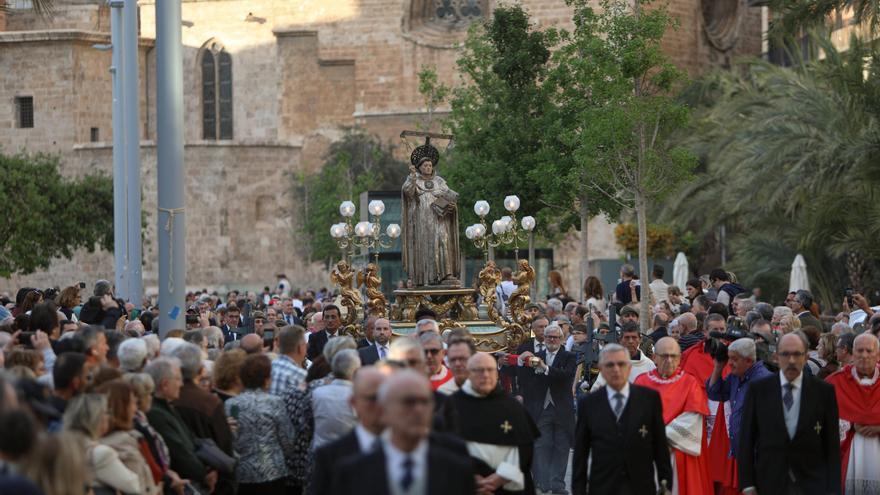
(407, 480)
(618, 404)
(382, 352)
(540, 347)
(787, 397)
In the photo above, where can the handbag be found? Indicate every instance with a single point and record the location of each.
(213, 456)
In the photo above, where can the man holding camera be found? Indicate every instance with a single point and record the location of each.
(731, 391)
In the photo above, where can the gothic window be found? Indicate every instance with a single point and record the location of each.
(216, 92)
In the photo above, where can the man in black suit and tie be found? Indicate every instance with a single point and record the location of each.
(367, 340)
(789, 437)
(378, 351)
(332, 321)
(621, 425)
(536, 344)
(231, 328)
(405, 462)
(546, 386)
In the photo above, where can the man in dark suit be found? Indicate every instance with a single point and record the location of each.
(332, 321)
(800, 306)
(367, 339)
(231, 328)
(535, 344)
(405, 462)
(378, 350)
(546, 386)
(621, 425)
(789, 440)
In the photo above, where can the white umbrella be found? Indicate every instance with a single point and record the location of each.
(798, 279)
(680, 271)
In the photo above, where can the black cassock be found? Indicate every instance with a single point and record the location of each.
(497, 419)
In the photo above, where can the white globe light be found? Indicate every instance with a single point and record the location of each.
(362, 229)
(346, 209)
(507, 222)
(479, 230)
(337, 230)
(376, 207)
(498, 227)
(481, 208)
(469, 232)
(511, 203)
(528, 223)
(393, 231)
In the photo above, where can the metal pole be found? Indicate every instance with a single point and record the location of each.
(169, 153)
(120, 249)
(130, 76)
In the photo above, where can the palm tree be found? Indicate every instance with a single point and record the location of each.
(791, 166)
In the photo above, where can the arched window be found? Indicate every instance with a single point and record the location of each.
(216, 92)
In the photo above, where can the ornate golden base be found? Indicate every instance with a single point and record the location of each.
(454, 303)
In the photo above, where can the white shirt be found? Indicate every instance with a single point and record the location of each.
(791, 415)
(611, 393)
(366, 440)
(394, 459)
(660, 290)
(548, 361)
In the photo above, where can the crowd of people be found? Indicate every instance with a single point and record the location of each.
(266, 393)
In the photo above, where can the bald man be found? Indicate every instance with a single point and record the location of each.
(500, 434)
(685, 407)
(362, 439)
(858, 398)
(252, 343)
(788, 437)
(377, 349)
(405, 461)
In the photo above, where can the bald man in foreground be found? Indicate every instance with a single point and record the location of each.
(405, 462)
(789, 440)
(857, 389)
(685, 408)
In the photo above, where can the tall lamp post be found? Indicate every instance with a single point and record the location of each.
(349, 235)
(505, 230)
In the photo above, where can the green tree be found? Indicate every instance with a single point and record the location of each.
(47, 216)
(497, 113)
(791, 167)
(358, 162)
(624, 140)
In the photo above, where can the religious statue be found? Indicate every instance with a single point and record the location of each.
(490, 277)
(376, 301)
(344, 277)
(430, 222)
(520, 297)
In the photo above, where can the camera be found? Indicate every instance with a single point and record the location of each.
(26, 339)
(848, 293)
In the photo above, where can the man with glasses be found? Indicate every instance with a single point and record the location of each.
(499, 433)
(789, 437)
(631, 339)
(685, 408)
(620, 426)
(405, 461)
(459, 352)
(546, 382)
(432, 345)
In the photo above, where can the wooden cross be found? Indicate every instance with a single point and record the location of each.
(818, 428)
(644, 431)
(506, 426)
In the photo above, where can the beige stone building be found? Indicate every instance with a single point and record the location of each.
(267, 85)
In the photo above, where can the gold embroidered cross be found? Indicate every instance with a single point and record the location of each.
(818, 428)
(506, 426)
(644, 431)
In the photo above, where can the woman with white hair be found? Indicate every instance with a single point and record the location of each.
(86, 414)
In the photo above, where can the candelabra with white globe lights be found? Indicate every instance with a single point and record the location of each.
(505, 230)
(349, 235)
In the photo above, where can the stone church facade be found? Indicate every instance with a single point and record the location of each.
(268, 84)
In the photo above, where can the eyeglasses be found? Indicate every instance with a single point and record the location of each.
(787, 355)
(433, 352)
(552, 337)
(413, 401)
(667, 356)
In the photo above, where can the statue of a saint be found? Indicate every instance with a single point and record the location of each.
(430, 222)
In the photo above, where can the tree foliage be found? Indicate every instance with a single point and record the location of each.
(791, 167)
(48, 216)
(357, 163)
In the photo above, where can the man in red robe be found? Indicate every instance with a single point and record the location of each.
(685, 407)
(858, 401)
(722, 468)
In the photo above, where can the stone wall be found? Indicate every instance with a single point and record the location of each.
(301, 71)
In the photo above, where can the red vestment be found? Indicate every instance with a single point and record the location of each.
(682, 393)
(722, 469)
(859, 404)
(440, 378)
